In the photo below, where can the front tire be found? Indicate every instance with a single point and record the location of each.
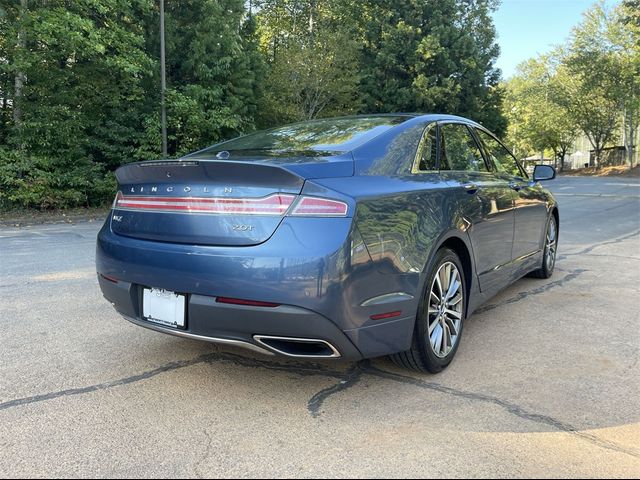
(440, 318)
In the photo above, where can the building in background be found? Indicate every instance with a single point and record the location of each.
(582, 154)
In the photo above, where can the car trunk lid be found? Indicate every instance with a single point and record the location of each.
(206, 202)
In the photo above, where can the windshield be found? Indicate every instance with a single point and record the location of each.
(317, 137)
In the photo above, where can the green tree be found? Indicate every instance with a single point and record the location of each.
(312, 60)
(211, 72)
(591, 92)
(6, 91)
(431, 56)
(79, 81)
(538, 120)
(79, 89)
(562, 127)
(78, 70)
(623, 33)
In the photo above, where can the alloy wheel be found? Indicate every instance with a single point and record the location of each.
(445, 309)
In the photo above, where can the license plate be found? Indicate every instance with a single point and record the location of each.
(163, 307)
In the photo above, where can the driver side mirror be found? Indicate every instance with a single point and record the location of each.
(543, 172)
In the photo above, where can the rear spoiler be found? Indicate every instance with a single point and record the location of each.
(176, 172)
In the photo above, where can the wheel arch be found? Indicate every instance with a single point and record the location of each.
(455, 240)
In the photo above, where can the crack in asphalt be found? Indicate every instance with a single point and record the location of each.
(590, 248)
(210, 358)
(616, 207)
(509, 407)
(205, 456)
(611, 255)
(347, 379)
(104, 386)
(572, 275)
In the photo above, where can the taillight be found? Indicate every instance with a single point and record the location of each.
(276, 204)
(323, 207)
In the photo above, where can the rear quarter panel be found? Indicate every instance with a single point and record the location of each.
(402, 221)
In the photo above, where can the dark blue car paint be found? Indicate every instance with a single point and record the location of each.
(328, 267)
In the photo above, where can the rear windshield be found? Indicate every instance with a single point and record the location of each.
(317, 137)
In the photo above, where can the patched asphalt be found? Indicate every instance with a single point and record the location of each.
(546, 382)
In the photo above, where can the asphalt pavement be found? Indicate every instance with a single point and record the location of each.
(546, 382)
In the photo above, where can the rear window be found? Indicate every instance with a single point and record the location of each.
(320, 137)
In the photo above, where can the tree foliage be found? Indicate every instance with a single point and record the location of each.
(83, 66)
(312, 60)
(431, 55)
(79, 81)
(538, 119)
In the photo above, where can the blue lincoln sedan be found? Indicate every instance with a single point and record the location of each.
(350, 237)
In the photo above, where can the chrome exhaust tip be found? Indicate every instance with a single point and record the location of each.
(298, 347)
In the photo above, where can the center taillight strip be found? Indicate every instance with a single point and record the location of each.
(276, 204)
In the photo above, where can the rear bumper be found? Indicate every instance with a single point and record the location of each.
(238, 325)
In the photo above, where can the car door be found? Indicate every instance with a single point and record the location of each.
(487, 202)
(530, 200)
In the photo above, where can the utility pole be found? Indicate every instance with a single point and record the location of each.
(163, 83)
(20, 77)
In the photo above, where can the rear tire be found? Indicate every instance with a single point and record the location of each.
(549, 252)
(440, 318)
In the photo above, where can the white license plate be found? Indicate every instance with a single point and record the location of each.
(163, 307)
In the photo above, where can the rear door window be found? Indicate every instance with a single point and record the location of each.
(459, 150)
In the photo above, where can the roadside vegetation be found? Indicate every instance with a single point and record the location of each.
(80, 81)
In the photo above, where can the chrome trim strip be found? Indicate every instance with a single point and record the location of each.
(524, 257)
(515, 260)
(170, 163)
(260, 338)
(192, 336)
(387, 298)
(196, 212)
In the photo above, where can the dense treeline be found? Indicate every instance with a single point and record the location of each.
(589, 86)
(79, 80)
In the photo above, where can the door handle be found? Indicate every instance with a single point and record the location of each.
(515, 186)
(471, 187)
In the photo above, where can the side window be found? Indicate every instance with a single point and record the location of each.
(499, 155)
(428, 150)
(459, 150)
